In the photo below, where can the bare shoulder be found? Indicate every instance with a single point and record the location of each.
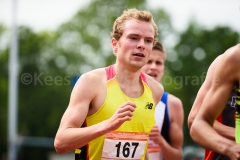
(153, 84)
(229, 65)
(93, 77)
(175, 102)
(233, 53)
(156, 87)
(215, 63)
(175, 108)
(91, 82)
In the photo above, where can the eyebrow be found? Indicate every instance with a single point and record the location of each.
(133, 34)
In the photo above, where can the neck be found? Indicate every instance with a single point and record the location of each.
(129, 81)
(127, 75)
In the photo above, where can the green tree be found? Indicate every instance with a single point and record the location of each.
(43, 95)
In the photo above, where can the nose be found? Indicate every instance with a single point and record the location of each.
(141, 45)
(153, 66)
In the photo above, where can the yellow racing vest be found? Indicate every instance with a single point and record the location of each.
(129, 141)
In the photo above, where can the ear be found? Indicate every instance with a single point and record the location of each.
(114, 45)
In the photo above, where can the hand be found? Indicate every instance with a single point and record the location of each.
(155, 135)
(123, 113)
(234, 152)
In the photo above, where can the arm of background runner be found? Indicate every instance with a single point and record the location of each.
(225, 131)
(198, 101)
(228, 132)
(173, 151)
(214, 102)
(202, 91)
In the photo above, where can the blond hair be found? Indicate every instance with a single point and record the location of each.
(129, 14)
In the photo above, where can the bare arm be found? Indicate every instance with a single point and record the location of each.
(225, 131)
(69, 135)
(198, 101)
(202, 91)
(173, 151)
(213, 104)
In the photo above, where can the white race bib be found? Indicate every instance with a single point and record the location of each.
(124, 145)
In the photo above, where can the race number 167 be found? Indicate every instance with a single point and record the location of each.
(126, 149)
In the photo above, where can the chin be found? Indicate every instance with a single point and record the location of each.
(137, 65)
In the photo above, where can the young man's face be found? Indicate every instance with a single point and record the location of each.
(135, 44)
(155, 65)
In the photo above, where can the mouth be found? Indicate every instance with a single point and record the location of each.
(153, 75)
(139, 55)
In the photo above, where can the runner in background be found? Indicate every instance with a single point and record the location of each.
(166, 138)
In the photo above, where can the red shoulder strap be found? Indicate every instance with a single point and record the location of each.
(110, 72)
(143, 77)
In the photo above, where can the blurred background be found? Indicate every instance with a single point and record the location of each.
(45, 43)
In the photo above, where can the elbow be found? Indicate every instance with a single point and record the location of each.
(193, 131)
(59, 147)
(190, 121)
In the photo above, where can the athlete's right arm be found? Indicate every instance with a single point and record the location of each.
(225, 131)
(198, 101)
(212, 106)
(202, 92)
(86, 92)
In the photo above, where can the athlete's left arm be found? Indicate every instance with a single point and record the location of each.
(173, 151)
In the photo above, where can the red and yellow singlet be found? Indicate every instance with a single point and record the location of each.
(129, 141)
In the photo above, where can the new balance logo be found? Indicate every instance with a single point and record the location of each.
(149, 105)
(233, 102)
